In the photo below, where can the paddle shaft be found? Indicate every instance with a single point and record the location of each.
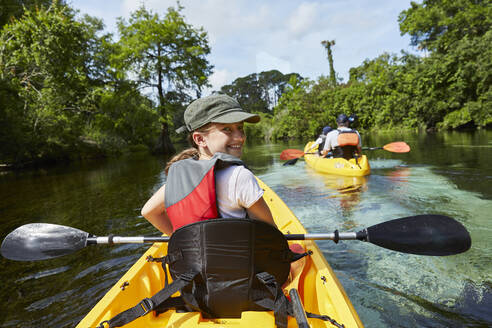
(292, 155)
(126, 240)
(294, 160)
(164, 239)
(335, 236)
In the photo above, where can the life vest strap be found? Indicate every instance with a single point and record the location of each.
(324, 318)
(168, 259)
(280, 304)
(149, 304)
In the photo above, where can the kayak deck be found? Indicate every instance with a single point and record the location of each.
(319, 289)
(339, 166)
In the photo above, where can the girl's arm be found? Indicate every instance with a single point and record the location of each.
(154, 211)
(316, 143)
(327, 148)
(260, 211)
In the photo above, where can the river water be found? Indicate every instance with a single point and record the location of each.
(445, 173)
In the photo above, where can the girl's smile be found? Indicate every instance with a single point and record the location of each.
(226, 138)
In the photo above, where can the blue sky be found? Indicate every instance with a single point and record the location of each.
(248, 36)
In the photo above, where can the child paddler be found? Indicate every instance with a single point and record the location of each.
(221, 267)
(209, 180)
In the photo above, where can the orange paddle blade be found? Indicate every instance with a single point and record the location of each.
(397, 147)
(291, 154)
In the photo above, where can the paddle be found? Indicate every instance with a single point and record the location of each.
(394, 147)
(292, 155)
(435, 235)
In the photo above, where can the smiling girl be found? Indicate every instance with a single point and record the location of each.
(209, 180)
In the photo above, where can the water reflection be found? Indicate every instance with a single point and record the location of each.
(444, 173)
(346, 190)
(411, 291)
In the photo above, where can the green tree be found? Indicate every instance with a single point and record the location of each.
(294, 116)
(449, 87)
(165, 54)
(274, 84)
(328, 44)
(247, 91)
(47, 69)
(125, 118)
(375, 93)
(436, 25)
(259, 92)
(11, 9)
(455, 79)
(468, 76)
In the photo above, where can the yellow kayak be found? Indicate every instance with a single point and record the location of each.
(354, 167)
(319, 289)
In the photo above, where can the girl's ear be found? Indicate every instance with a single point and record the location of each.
(199, 139)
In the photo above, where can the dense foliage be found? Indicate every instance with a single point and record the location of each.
(67, 90)
(449, 87)
(167, 55)
(260, 93)
(11, 9)
(49, 77)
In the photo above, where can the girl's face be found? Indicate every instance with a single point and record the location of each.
(219, 137)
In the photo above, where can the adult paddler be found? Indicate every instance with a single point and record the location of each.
(343, 141)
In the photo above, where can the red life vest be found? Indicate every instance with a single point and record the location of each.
(348, 141)
(347, 138)
(190, 194)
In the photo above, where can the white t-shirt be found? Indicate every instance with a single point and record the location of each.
(318, 141)
(237, 189)
(332, 138)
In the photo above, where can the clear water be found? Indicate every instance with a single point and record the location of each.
(446, 173)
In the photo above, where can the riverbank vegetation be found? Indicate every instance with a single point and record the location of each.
(68, 90)
(449, 87)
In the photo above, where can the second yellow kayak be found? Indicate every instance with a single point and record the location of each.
(339, 166)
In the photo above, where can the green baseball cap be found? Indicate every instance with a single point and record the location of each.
(218, 108)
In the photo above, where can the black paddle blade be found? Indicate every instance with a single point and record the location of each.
(41, 241)
(435, 235)
(291, 161)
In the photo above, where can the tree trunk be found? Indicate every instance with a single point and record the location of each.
(164, 144)
(333, 77)
(327, 44)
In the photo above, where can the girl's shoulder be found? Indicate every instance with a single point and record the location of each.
(238, 173)
(243, 171)
(235, 170)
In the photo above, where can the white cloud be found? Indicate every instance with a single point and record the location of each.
(248, 36)
(267, 62)
(220, 77)
(303, 19)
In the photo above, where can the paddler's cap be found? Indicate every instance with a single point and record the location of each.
(326, 129)
(218, 108)
(342, 118)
